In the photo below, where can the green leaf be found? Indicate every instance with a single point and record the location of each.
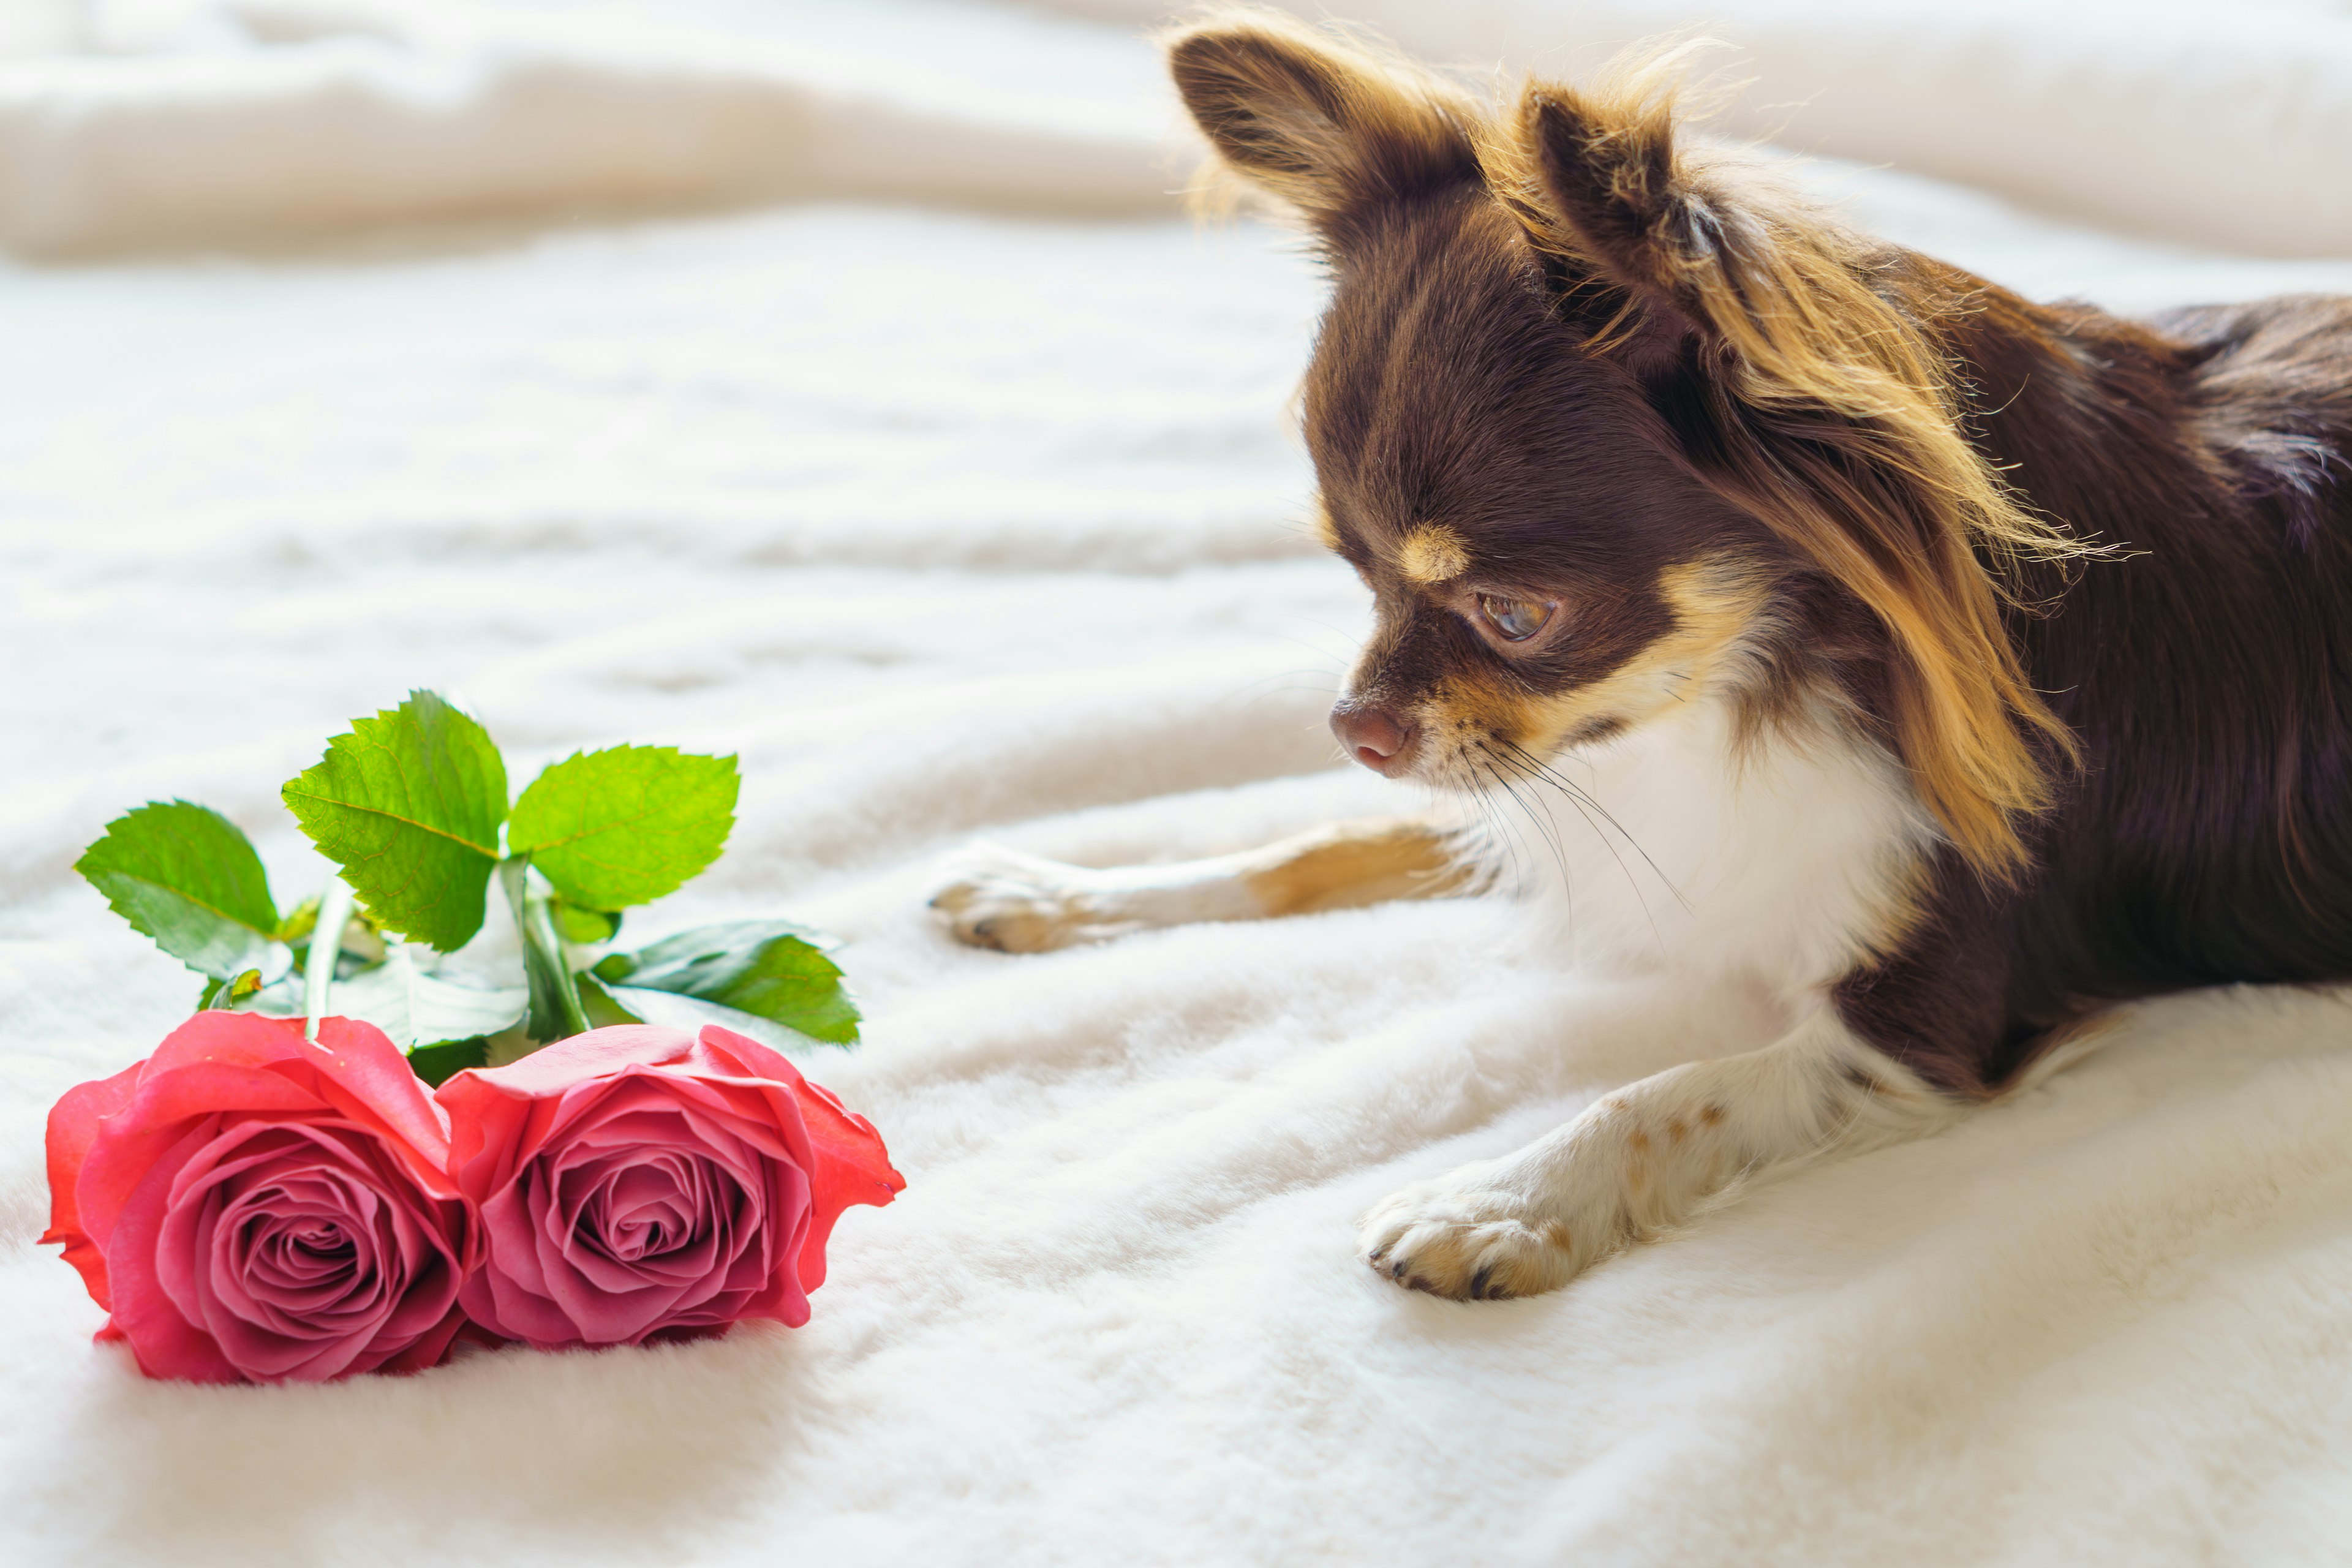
(586, 928)
(768, 968)
(410, 1006)
(227, 995)
(603, 1007)
(413, 1007)
(610, 829)
(299, 922)
(437, 1063)
(187, 878)
(408, 804)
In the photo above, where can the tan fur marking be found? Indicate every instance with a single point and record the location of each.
(1896, 509)
(1358, 863)
(1595, 177)
(1675, 1129)
(1021, 903)
(1711, 1114)
(1714, 604)
(1433, 553)
(1326, 530)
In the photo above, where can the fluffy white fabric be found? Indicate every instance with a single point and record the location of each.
(952, 524)
(2227, 125)
(301, 117)
(2224, 122)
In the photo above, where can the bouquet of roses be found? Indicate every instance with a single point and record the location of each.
(486, 1136)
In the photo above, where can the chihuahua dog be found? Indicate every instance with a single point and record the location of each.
(1955, 667)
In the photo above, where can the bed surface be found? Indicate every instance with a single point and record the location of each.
(958, 519)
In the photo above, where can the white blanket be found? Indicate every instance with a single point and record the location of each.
(960, 524)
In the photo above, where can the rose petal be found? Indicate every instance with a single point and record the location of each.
(163, 1338)
(158, 1115)
(604, 1310)
(507, 1294)
(852, 1167)
(583, 1059)
(430, 1348)
(641, 1182)
(73, 1126)
(332, 1173)
(367, 1078)
(265, 1206)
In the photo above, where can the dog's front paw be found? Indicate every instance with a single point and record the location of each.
(1471, 1236)
(999, 897)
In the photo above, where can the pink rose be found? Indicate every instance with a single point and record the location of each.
(639, 1181)
(248, 1204)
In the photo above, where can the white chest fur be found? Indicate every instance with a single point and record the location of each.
(1779, 861)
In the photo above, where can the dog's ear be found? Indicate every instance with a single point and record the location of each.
(1798, 370)
(1611, 188)
(1318, 122)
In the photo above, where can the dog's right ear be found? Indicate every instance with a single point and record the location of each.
(1318, 122)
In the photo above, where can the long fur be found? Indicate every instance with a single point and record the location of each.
(1949, 668)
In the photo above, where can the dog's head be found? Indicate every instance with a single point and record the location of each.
(1595, 419)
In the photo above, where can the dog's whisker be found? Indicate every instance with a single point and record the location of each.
(1544, 828)
(1583, 798)
(1632, 882)
(1866, 741)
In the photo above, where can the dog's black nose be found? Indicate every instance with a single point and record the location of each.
(1373, 736)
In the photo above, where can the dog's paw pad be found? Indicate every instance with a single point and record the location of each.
(1465, 1239)
(1002, 898)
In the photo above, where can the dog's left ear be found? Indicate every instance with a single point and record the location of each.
(1681, 250)
(1801, 376)
(1600, 184)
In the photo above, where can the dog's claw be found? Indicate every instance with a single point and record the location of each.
(1468, 1236)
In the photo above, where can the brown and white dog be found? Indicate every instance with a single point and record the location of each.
(1956, 666)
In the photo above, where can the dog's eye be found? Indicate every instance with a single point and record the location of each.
(1516, 620)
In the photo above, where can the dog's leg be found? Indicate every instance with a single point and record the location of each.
(1020, 903)
(1643, 1159)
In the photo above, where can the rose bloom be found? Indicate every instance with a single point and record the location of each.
(248, 1204)
(639, 1181)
